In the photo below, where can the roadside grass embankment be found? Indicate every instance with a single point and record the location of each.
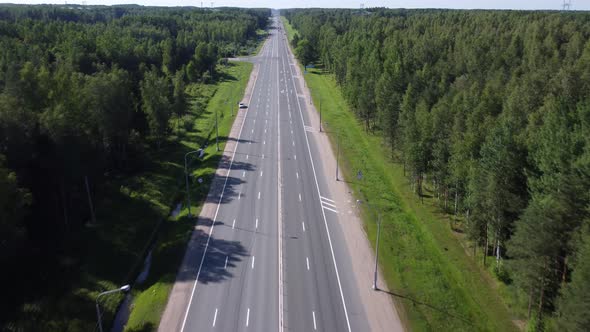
(426, 268)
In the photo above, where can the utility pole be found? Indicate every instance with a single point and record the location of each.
(93, 216)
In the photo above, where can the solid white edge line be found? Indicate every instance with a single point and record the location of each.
(314, 325)
(215, 317)
(323, 213)
(216, 211)
(279, 221)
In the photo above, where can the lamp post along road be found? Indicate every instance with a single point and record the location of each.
(320, 113)
(337, 145)
(98, 315)
(216, 131)
(188, 193)
(375, 274)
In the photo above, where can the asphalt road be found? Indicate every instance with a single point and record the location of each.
(275, 259)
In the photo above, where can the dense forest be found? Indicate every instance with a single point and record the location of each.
(490, 110)
(85, 94)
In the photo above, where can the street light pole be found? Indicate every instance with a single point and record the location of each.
(216, 131)
(188, 193)
(337, 147)
(337, 153)
(375, 274)
(98, 315)
(320, 113)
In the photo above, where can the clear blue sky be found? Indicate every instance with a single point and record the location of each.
(465, 4)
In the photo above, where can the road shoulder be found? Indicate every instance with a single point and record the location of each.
(180, 295)
(382, 313)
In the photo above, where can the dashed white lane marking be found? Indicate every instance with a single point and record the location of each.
(291, 132)
(259, 195)
(307, 261)
(263, 156)
(225, 267)
(261, 173)
(248, 317)
(264, 142)
(265, 130)
(293, 143)
(253, 259)
(233, 225)
(243, 173)
(250, 142)
(303, 225)
(215, 317)
(300, 197)
(247, 157)
(240, 195)
(295, 156)
(297, 173)
(256, 223)
(314, 326)
(252, 131)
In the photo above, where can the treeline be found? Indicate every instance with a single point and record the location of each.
(490, 110)
(86, 93)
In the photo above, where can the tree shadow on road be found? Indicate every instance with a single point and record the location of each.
(213, 268)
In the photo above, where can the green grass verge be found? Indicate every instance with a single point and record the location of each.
(288, 28)
(151, 296)
(439, 286)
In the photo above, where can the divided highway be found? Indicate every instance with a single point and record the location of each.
(275, 259)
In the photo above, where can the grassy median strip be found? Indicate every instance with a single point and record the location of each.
(423, 263)
(151, 296)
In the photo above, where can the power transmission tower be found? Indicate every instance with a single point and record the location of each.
(567, 4)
